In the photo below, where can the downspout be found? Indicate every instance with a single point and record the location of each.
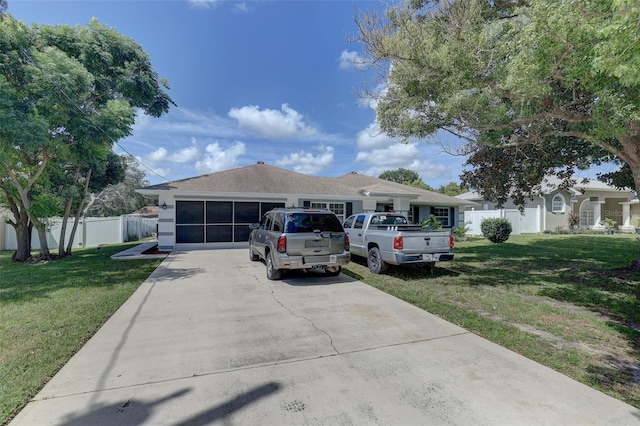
(544, 213)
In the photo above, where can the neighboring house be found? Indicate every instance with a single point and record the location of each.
(593, 201)
(215, 210)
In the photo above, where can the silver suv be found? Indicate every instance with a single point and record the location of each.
(297, 238)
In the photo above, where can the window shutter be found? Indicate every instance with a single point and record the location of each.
(452, 216)
(349, 211)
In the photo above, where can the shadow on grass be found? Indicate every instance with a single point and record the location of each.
(409, 271)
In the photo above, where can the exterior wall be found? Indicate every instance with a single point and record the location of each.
(612, 209)
(169, 233)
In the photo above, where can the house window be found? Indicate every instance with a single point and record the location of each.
(442, 214)
(557, 204)
(586, 214)
(337, 208)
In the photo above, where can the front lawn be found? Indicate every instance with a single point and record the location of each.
(48, 311)
(565, 301)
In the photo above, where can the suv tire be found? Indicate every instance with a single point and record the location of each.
(272, 273)
(252, 256)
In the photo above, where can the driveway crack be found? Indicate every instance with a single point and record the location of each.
(310, 321)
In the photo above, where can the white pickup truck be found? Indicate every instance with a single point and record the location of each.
(388, 238)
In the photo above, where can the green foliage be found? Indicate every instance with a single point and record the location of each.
(451, 189)
(67, 94)
(573, 220)
(460, 233)
(535, 88)
(431, 223)
(496, 230)
(400, 175)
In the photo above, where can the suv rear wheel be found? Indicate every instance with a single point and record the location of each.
(252, 256)
(272, 273)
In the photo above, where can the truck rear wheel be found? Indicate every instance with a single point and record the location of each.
(333, 271)
(375, 262)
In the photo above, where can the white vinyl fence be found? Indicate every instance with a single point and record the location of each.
(91, 231)
(527, 222)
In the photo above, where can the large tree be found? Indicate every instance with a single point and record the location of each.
(66, 94)
(534, 87)
(120, 198)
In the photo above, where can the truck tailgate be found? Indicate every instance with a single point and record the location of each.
(421, 242)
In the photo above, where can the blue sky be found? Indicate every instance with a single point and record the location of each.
(254, 80)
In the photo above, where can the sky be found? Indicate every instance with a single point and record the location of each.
(272, 80)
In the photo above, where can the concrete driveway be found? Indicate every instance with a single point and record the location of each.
(208, 339)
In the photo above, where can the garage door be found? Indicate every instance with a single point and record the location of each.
(202, 224)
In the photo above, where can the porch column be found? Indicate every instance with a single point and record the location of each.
(626, 225)
(597, 215)
(401, 205)
(369, 205)
(166, 223)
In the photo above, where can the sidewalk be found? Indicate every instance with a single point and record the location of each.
(207, 339)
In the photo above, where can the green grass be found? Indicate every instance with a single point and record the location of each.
(566, 301)
(49, 310)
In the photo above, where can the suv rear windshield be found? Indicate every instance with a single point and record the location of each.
(310, 222)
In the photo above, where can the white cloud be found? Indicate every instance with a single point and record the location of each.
(272, 123)
(396, 155)
(182, 155)
(159, 154)
(350, 60)
(241, 7)
(408, 156)
(217, 158)
(372, 137)
(185, 155)
(308, 163)
(204, 4)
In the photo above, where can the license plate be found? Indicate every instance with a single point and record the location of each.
(427, 257)
(317, 243)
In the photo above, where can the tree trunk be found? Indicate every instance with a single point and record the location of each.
(21, 225)
(23, 240)
(63, 229)
(78, 214)
(634, 164)
(44, 243)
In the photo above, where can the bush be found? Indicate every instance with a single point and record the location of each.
(496, 230)
(460, 233)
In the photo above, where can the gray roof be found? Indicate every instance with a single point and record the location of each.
(258, 178)
(376, 185)
(263, 178)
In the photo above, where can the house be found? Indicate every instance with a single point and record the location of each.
(215, 210)
(593, 201)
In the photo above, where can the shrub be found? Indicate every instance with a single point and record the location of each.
(573, 220)
(460, 233)
(496, 230)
